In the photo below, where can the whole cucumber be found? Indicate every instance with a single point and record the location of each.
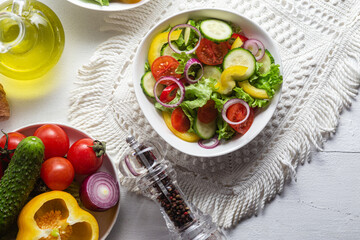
(19, 180)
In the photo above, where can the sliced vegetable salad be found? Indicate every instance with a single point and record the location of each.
(207, 78)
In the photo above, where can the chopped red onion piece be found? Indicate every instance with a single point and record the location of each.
(184, 26)
(181, 88)
(253, 45)
(230, 103)
(189, 64)
(204, 143)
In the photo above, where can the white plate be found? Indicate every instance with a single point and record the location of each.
(251, 30)
(107, 219)
(113, 6)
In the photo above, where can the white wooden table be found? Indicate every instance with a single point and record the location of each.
(324, 203)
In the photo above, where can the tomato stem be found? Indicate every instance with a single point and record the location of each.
(5, 152)
(99, 148)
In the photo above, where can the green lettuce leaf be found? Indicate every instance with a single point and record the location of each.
(224, 130)
(182, 58)
(103, 2)
(269, 81)
(147, 67)
(253, 102)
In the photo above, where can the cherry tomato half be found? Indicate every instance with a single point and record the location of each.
(211, 53)
(237, 112)
(169, 93)
(55, 140)
(86, 155)
(14, 138)
(179, 120)
(237, 35)
(165, 66)
(208, 112)
(57, 173)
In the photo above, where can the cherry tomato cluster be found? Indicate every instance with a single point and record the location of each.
(61, 161)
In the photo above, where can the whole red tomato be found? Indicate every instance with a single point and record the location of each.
(86, 155)
(55, 140)
(57, 173)
(8, 147)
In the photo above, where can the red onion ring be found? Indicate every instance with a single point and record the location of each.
(184, 26)
(130, 167)
(253, 45)
(202, 143)
(230, 103)
(181, 87)
(189, 64)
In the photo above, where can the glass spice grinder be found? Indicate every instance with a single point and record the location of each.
(156, 179)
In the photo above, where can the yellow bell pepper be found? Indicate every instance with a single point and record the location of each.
(158, 42)
(253, 91)
(56, 215)
(228, 78)
(237, 43)
(189, 137)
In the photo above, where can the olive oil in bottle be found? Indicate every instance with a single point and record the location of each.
(31, 39)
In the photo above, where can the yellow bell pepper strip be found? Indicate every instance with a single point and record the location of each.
(253, 91)
(237, 43)
(188, 137)
(158, 42)
(56, 215)
(228, 78)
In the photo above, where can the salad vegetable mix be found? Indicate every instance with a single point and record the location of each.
(207, 78)
(106, 2)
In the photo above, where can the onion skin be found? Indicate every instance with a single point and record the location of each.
(89, 188)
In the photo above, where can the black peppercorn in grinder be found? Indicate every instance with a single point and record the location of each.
(156, 179)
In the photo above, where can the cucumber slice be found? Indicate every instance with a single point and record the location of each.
(212, 72)
(147, 84)
(241, 57)
(215, 30)
(167, 51)
(189, 33)
(205, 130)
(267, 60)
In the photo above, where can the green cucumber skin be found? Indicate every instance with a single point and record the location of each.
(199, 132)
(225, 65)
(19, 180)
(205, 35)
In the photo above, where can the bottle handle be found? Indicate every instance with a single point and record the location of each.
(21, 7)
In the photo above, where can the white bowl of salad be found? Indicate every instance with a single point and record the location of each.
(207, 80)
(108, 5)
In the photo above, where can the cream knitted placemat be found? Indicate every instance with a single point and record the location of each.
(319, 42)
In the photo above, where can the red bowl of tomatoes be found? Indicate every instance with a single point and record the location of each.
(212, 53)
(63, 140)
